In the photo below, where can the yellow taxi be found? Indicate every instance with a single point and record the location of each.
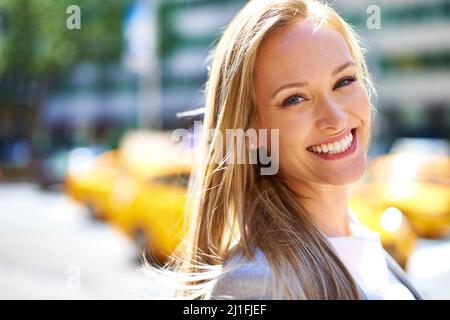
(406, 194)
(150, 209)
(416, 185)
(90, 183)
(140, 188)
(396, 233)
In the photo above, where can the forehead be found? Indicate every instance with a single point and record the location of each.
(297, 52)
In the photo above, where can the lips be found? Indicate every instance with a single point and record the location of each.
(338, 149)
(334, 138)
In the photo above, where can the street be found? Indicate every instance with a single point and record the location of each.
(50, 249)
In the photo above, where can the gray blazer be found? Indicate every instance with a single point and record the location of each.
(251, 280)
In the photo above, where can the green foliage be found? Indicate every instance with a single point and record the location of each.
(34, 38)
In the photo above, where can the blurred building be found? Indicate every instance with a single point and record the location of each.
(59, 87)
(188, 30)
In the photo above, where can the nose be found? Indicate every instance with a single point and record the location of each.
(332, 116)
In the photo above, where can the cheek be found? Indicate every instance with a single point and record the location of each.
(293, 128)
(290, 123)
(357, 106)
(294, 131)
(362, 110)
(360, 104)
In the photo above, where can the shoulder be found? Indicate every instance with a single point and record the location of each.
(244, 279)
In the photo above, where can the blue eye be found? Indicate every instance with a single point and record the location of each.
(293, 100)
(344, 82)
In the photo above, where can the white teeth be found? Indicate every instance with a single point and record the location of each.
(349, 138)
(334, 147)
(337, 146)
(330, 147)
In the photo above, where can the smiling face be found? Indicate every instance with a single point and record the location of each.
(307, 86)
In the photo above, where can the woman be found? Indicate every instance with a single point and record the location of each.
(294, 66)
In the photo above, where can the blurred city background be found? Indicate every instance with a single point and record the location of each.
(90, 92)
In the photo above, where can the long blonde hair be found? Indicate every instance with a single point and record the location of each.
(235, 204)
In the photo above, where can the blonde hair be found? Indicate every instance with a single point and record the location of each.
(235, 205)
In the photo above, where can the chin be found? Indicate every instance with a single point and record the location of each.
(339, 181)
(347, 177)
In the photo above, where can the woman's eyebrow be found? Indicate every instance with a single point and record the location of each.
(342, 67)
(303, 84)
(289, 85)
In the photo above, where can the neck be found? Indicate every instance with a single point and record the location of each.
(328, 206)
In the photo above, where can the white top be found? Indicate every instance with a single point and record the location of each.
(364, 258)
